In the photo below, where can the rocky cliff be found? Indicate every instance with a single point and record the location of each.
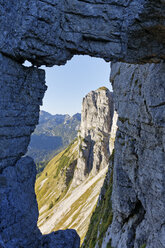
(138, 188)
(22, 90)
(51, 32)
(138, 196)
(94, 134)
(63, 204)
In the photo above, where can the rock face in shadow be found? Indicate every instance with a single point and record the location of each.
(94, 134)
(51, 32)
(21, 93)
(22, 90)
(138, 185)
(19, 212)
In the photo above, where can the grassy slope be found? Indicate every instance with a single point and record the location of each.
(52, 179)
(102, 216)
(63, 207)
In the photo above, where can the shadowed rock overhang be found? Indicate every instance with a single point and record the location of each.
(50, 32)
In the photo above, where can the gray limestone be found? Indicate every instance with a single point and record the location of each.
(94, 134)
(139, 170)
(51, 32)
(21, 93)
(18, 211)
(22, 90)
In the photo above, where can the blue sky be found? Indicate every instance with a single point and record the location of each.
(68, 84)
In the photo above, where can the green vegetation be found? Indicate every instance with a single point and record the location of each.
(53, 186)
(62, 163)
(109, 244)
(143, 246)
(54, 177)
(103, 88)
(102, 217)
(40, 167)
(123, 119)
(76, 211)
(51, 205)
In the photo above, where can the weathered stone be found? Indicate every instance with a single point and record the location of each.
(138, 190)
(21, 93)
(113, 132)
(94, 134)
(61, 239)
(18, 206)
(51, 32)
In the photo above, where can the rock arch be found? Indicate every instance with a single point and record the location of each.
(50, 32)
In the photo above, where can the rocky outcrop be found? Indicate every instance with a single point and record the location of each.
(138, 197)
(97, 235)
(51, 32)
(113, 132)
(21, 93)
(63, 204)
(138, 187)
(94, 134)
(22, 90)
(18, 212)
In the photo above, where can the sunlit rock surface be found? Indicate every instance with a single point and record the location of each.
(94, 134)
(68, 189)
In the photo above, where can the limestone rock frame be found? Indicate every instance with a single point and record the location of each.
(50, 32)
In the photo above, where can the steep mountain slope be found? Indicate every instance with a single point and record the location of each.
(68, 188)
(52, 135)
(94, 134)
(55, 179)
(98, 233)
(61, 206)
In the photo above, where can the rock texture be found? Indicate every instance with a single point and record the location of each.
(98, 234)
(63, 204)
(21, 93)
(113, 132)
(138, 197)
(18, 212)
(51, 32)
(94, 134)
(139, 165)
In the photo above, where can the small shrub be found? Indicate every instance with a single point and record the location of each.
(109, 244)
(103, 88)
(51, 205)
(143, 246)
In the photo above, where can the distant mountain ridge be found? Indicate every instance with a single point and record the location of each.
(52, 134)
